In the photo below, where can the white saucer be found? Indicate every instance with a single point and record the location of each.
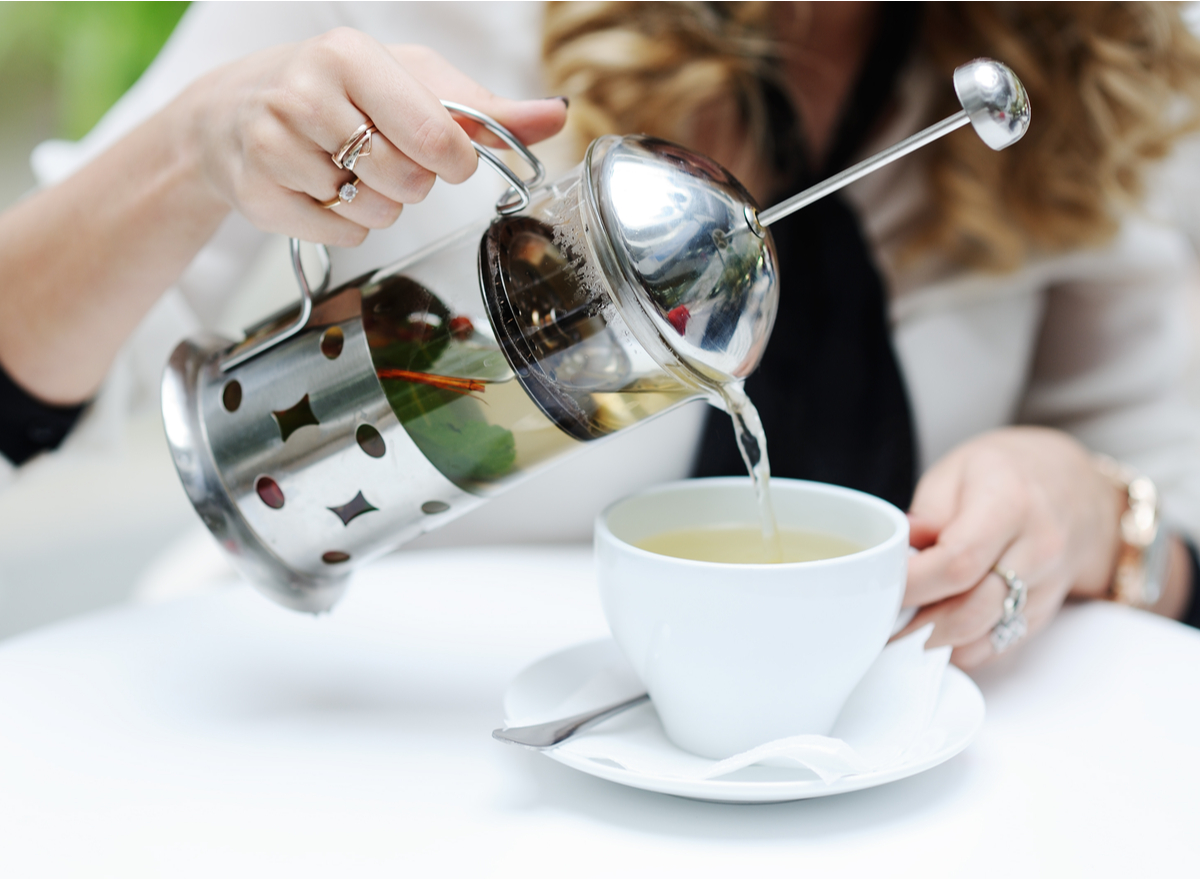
(543, 692)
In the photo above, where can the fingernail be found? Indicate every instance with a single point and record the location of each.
(566, 101)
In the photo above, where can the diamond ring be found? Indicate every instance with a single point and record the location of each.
(346, 194)
(1013, 625)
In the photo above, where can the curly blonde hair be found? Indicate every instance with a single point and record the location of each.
(1112, 86)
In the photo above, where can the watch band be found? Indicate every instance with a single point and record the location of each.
(1142, 559)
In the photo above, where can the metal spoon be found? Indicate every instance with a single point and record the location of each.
(993, 100)
(541, 736)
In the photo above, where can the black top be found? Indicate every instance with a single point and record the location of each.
(28, 425)
(829, 389)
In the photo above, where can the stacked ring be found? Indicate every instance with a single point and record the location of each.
(346, 194)
(1012, 626)
(357, 146)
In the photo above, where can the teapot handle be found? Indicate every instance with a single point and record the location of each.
(518, 189)
(516, 198)
(239, 355)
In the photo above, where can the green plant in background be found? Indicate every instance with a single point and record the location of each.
(91, 52)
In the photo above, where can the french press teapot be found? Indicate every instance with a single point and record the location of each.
(373, 412)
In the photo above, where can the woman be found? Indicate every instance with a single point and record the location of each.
(980, 228)
(736, 81)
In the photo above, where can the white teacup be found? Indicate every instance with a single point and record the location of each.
(736, 655)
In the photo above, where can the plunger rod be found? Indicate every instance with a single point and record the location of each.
(863, 168)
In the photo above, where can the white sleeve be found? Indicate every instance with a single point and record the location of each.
(1114, 348)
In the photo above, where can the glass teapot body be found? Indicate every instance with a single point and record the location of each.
(409, 396)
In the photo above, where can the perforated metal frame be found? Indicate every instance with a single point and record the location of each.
(300, 552)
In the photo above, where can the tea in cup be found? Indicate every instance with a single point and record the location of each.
(736, 652)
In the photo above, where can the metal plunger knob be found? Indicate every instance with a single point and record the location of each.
(993, 101)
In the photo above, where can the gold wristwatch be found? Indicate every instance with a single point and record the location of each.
(1142, 560)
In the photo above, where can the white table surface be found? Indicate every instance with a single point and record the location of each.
(223, 736)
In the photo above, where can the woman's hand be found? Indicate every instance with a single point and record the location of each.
(255, 136)
(1030, 500)
(264, 128)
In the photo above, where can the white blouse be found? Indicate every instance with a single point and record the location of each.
(1094, 342)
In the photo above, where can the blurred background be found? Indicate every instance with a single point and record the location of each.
(62, 65)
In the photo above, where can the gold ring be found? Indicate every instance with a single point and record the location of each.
(346, 193)
(357, 146)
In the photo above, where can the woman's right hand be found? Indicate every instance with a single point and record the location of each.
(266, 126)
(255, 136)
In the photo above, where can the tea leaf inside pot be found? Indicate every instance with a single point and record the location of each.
(451, 432)
(410, 330)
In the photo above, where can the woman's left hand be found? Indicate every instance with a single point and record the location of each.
(1030, 500)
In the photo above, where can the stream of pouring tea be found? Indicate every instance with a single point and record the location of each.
(752, 443)
(747, 428)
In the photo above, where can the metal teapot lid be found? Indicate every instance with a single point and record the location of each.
(676, 227)
(692, 250)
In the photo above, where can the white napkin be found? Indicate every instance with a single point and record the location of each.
(885, 723)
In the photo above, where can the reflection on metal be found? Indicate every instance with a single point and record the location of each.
(995, 100)
(676, 229)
